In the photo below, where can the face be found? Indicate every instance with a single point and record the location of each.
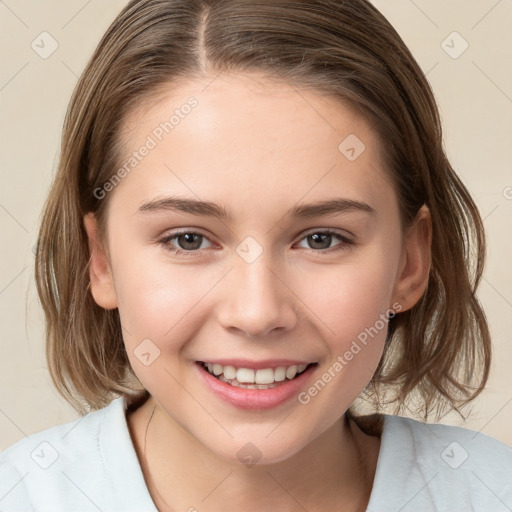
(277, 285)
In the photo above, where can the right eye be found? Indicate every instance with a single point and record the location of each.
(189, 242)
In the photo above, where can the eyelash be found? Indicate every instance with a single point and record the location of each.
(345, 244)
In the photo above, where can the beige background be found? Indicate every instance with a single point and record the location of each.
(474, 92)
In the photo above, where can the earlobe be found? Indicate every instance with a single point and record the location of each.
(414, 271)
(102, 283)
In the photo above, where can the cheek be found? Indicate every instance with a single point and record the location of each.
(161, 301)
(156, 300)
(351, 306)
(161, 311)
(349, 298)
(357, 317)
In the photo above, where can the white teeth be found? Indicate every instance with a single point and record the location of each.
(291, 371)
(265, 376)
(280, 374)
(244, 375)
(254, 379)
(229, 372)
(237, 384)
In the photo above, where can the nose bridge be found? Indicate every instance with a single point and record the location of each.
(257, 302)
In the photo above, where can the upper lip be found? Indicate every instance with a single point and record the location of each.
(257, 365)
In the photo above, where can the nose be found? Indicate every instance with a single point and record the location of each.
(258, 301)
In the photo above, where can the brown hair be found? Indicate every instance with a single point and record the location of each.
(439, 350)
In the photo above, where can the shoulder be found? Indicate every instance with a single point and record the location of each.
(442, 467)
(45, 447)
(38, 464)
(457, 443)
(71, 465)
(464, 451)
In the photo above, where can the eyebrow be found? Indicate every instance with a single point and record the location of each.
(209, 209)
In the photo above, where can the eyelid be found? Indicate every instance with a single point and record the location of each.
(337, 231)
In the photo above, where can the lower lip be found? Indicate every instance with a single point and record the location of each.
(256, 399)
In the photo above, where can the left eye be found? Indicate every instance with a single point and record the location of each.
(321, 240)
(189, 242)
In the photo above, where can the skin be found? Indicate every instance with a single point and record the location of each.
(258, 148)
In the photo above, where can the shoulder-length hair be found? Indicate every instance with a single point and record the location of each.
(438, 352)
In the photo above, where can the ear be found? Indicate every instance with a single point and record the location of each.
(102, 283)
(414, 268)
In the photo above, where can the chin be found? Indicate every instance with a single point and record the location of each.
(257, 452)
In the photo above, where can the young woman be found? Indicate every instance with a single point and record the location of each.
(253, 224)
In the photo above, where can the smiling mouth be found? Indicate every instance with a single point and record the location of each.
(264, 378)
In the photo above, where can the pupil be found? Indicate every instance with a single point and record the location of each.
(315, 239)
(189, 239)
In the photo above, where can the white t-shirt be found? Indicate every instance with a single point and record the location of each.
(90, 464)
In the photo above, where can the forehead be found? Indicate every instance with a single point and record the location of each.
(247, 136)
(230, 108)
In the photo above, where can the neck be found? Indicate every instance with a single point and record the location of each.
(334, 471)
